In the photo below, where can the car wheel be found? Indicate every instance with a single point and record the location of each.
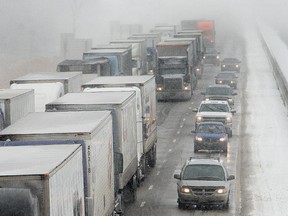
(226, 205)
(181, 205)
(225, 149)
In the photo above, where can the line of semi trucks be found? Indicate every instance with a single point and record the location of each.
(81, 140)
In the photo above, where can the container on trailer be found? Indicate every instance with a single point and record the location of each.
(41, 180)
(15, 104)
(95, 131)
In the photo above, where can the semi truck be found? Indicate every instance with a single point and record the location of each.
(151, 40)
(48, 85)
(207, 26)
(41, 180)
(164, 30)
(15, 104)
(174, 73)
(198, 35)
(94, 131)
(120, 59)
(123, 108)
(147, 122)
(139, 54)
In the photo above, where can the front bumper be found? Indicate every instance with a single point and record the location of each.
(192, 199)
(213, 145)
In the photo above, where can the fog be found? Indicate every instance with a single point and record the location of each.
(31, 29)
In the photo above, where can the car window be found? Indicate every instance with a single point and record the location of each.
(205, 172)
(214, 108)
(225, 75)
(211, 128)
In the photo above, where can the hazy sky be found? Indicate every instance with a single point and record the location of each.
(37, 25)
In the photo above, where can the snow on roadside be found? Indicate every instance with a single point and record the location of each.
(266, 128)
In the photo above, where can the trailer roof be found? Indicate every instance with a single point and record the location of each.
(12, 93)
(113, 46)
(57, 123)
(94, 98)
(119, 80)
(47, 76)
(69, 62)
(33, 160)
(107, 51)
(128, 41)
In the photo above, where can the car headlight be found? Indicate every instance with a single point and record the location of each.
(204, 57)
(199, 139)
(198, 119)
(218, 57)
(230, 100)
(232, 81)
(185, 190)
(220, 81)
(229, 120)
(237, 66)
(223, 65)
(151, 71)
(197, 69)
(159, 88)
(207, 99)
(223, 139)
(221, 191)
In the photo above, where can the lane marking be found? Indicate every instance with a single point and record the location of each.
(170, 150)
(151, 187)
(158, 173)
(178, 132)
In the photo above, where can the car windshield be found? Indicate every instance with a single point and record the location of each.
(205, 172)
(218, 91)
(211, 128)
(211, 51)
(225, 75)
(214, 108)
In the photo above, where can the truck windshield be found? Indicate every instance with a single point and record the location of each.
(204, 172)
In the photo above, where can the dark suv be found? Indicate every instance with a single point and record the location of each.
(210, 136)
(219, 92)
(230, 64)
(203, 182)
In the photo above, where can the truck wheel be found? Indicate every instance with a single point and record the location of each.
(152, 157)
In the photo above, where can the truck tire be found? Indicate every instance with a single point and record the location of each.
(152, 157)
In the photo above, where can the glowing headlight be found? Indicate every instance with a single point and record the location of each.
(199, 139)
(223, 65)
(198, 69)
(220, 81)
(221, 191)
(229, 120)
(159, 89)
(204, 57)
(185, 190)
(232, 81)
(218, 57)
(223, 139)
(198, 119)
(151, 71)
(207, 99)
(230, 100)
(237, 66)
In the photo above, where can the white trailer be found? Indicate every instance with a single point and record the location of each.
(146, 85)
(71, 81)
(139, 54)
(15, 104)
(94, 130)
(48, 85)
(122, 105)
(41, 180)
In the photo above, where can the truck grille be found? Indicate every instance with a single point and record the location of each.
(214, 119)
(173, 84)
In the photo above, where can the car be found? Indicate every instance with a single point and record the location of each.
(230, 64)
(219, 92)
(227, 78)
(203, 182)
(211, 56)
(219, 111)
(210, 136)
